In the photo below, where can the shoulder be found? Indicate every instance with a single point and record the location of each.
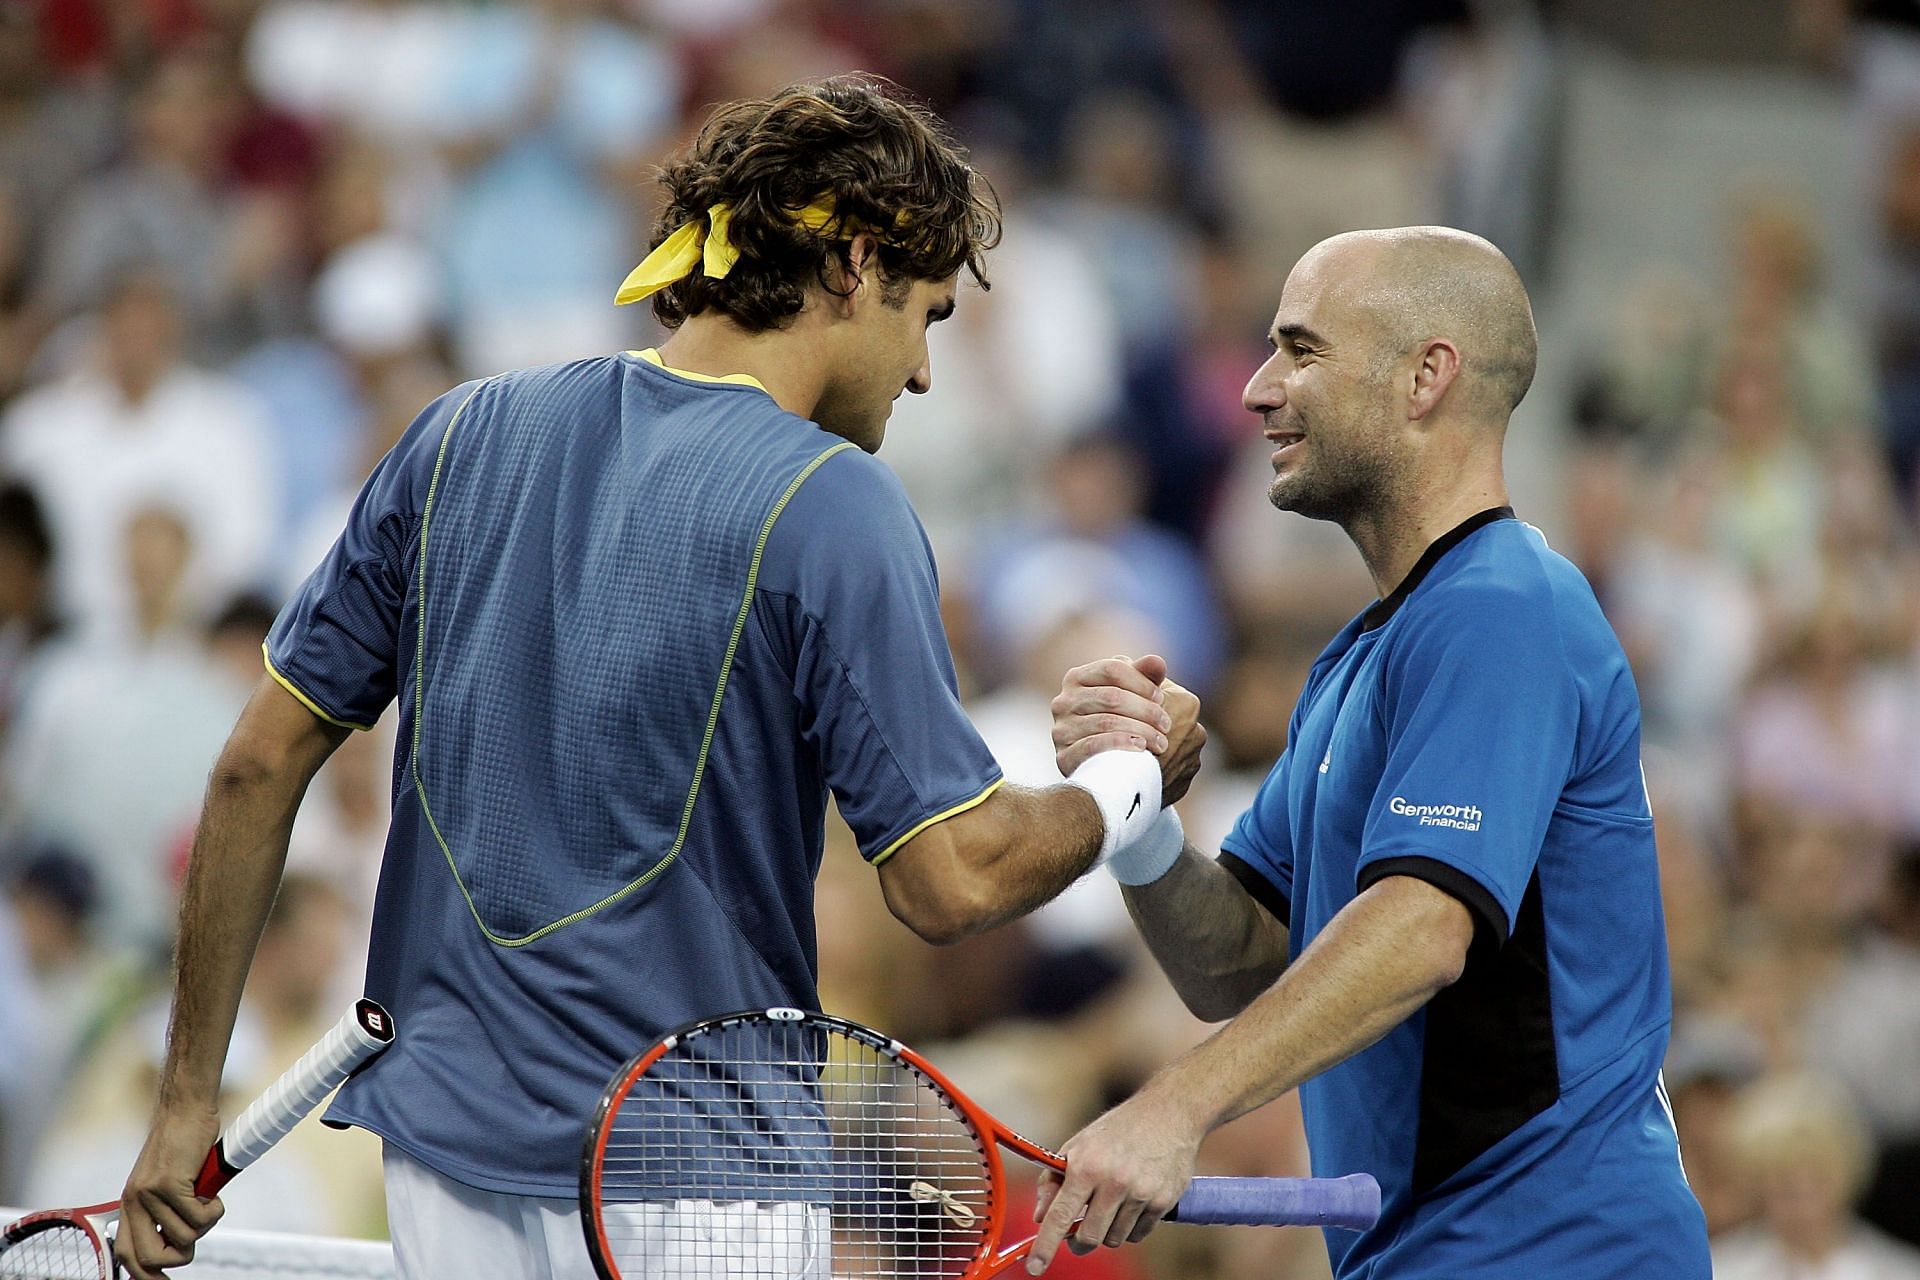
(845, 492)
(846, 517)
(1506, 580)
(548, 384)
(39, 414)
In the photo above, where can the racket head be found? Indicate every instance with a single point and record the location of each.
(791, 1143)
(60, 1244)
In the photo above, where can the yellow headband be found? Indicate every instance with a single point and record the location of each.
(708, 246)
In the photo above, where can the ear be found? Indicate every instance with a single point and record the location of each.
(860, 267)
(1434, 371)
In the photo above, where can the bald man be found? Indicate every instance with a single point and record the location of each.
(1440, 920)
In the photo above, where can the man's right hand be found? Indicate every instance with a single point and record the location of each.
(1121, 704)
(160, 1216)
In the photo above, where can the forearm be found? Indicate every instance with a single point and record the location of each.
(1382, 958)
(233, 874)
(995, 862)
(1218, 947)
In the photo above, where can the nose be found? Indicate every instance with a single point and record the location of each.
(1266, 390)
(922, 381)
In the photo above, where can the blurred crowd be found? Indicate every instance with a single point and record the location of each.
(243, 242)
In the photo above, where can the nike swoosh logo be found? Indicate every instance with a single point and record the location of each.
(1136, 806)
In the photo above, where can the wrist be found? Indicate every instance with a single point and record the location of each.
(1153, 854)
(1181, 1092)
(1125, 786)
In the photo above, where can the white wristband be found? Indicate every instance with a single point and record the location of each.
(1153, 854)
(1126, 786)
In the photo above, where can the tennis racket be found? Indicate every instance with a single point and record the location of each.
(794, 1144)
(77, 1244)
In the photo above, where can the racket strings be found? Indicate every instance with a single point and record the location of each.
(62, 1251)
(790, 1150)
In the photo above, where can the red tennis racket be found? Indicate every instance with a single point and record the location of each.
(795, 1144)
(77, 1244)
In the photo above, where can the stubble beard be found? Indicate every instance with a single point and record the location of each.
(1340, 486)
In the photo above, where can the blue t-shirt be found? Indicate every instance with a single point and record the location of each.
(1479, 729)
(638, 624)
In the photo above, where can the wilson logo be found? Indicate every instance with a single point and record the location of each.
(1461, 817)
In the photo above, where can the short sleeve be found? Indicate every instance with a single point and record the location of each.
(1481, 714)
(873, 676)
(1258, 852)
(336, 644)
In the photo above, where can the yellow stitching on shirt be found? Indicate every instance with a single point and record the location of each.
(706, 741)
(941, 816)
(301, 694)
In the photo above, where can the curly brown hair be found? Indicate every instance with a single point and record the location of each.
(884, 161)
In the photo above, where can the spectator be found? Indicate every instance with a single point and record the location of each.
(1094, 501)
(375, 302)
(139, 427)
(78, 986)
(290, 996)
(1691, 623)
(27, 618)
(1034, 362)
(1708, 1063)
(167, 208)
(111, 750)
(558, 108)
(19, 1054)
(1825, 731)
(102, 1118)
(1804, 1151)
(1863, 1029)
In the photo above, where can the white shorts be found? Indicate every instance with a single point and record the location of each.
(441, 1228)
(703, 1240)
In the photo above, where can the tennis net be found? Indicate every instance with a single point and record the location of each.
(265, 1255)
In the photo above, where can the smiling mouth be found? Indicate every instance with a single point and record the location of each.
(1285, 444)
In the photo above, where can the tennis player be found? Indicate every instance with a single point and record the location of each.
(641, 613)
(1441, 917)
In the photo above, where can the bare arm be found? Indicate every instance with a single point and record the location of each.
(1386, 954)
(238, 853)
(1022, 846)
(1218, 947)
(994, 863)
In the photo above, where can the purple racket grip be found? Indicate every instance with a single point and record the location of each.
(1352, 1202)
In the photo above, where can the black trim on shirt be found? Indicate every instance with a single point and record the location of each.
(1490, 921)
(1386, 607)
(1258, 887)
(1488, 1061)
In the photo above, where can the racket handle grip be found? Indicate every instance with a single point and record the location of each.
(342, 1051)
(1352, 1202)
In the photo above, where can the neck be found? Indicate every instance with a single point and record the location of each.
(784, 361)
(1813, 1242)
(1394, 536)
(153, 615)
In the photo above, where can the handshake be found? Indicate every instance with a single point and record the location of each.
(1130, 738)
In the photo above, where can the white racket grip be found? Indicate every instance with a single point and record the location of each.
(354, 1039)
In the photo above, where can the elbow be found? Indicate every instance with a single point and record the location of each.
(1216, 997)
(245, 763)
(1210, 1005)
(1444, 958)
(943, 922)
(942, 913)
(1444, 969)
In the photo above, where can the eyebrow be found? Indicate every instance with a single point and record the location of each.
(1295, 333)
